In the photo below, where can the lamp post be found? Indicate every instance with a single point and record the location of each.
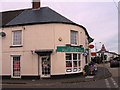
(96, 47)
(103, 50)
(103, 61)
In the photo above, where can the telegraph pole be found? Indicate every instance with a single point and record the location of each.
(103, 50)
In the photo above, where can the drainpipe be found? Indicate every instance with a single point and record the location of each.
(38, 66)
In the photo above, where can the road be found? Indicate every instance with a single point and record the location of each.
(111, 82)
(115, 75)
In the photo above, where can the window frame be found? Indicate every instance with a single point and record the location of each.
(77, 39)
(12, 67)
(13, 38)
(72, 67)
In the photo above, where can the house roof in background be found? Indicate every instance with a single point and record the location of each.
(113, 53)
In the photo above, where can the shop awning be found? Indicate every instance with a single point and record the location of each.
(43, 52)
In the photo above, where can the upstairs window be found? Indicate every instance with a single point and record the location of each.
(74, 37)
(17, 38)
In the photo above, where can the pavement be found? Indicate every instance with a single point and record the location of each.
(102, 73)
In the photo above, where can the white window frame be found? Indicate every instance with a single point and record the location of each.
(12, 66)
(70, 61)
(77, 39)
(79, 68)
(21, 37)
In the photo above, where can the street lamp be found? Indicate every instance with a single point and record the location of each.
(102, 52)
(96, 47)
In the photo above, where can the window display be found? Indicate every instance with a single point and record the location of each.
(73, 62)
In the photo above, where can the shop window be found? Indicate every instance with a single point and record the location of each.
(75, 70)
(79, 62)
(73, 62)
(68, 63)
(79, 56)
(74, 56)
(69, 70)
(68, 57)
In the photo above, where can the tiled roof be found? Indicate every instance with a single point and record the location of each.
(42, 15)
(7, 16)
(39, 16)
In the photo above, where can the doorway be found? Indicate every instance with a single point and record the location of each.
(45, 66)
(16, 70)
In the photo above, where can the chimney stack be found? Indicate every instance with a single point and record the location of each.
(36, 4)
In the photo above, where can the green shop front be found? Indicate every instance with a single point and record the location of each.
(74, 59)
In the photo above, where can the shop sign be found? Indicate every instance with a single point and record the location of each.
(93, 53)
(69, 49)
(85, 54)
(91, 46)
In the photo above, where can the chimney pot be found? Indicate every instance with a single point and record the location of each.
(36, 4)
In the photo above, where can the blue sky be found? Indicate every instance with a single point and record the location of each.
(100, 18)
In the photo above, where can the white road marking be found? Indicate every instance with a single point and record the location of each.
(107, 83)
(114, 82)
(89, 77)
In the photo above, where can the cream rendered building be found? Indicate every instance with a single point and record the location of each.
(41, 43)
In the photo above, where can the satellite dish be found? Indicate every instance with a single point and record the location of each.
(3, 34)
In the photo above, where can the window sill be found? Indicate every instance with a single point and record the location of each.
(73, 72)
(74, 45)
(16, 46)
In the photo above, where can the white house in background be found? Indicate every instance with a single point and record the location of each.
(108, 55)
(40, 43)
(111, 55)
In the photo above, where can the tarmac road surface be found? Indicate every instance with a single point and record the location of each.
(110, 82)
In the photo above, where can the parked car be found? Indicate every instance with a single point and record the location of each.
(115, 62)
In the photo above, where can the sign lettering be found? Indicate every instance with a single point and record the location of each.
(69, 49)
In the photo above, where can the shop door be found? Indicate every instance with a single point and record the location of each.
(16, 67)
(45, 65)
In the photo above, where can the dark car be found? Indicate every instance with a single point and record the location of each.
(115, 62)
